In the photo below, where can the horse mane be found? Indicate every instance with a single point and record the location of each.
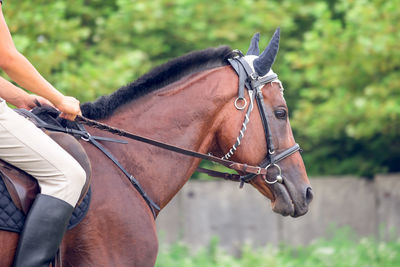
(157, 78)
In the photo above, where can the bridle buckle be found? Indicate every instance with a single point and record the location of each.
(254, 76)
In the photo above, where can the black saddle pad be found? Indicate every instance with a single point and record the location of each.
(12, 219)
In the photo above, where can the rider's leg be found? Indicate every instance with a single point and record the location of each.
(43, 232)
(60, 177)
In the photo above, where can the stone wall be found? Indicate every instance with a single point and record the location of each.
(204, 209)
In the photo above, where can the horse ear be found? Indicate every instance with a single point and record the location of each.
(264, 62)
(254, 50)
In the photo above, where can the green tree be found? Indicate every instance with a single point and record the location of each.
(91, 48)
(338, 60)
(348, 72)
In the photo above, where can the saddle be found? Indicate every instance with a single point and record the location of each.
(22, 187)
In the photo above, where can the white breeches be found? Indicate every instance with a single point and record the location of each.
(25, 146)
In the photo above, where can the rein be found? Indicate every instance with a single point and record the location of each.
(227, 163)
(247, 78)
(254, 84)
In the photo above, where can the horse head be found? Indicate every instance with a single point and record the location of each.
(286, 183)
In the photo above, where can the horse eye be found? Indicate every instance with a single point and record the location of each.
(280, 114)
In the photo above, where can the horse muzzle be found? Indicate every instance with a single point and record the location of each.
(290, 200)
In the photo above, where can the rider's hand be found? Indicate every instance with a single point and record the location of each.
(69, 107)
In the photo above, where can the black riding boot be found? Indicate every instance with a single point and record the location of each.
(44, 229)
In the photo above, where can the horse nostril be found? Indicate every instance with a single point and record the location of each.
(309, 195)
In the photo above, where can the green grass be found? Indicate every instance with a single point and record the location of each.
(341, 250)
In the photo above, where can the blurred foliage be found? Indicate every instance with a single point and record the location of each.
(339, 60)
(348, 113)
(342, 249)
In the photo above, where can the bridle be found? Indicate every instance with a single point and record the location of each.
(254, 83)
(247, 78)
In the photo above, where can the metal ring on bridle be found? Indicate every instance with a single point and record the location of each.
(86, 138)
(240, 99)
(278, 178)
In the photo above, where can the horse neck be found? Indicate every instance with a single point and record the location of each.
(186, 113)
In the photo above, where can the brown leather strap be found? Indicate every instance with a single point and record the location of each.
(227, 163)
(223, 175)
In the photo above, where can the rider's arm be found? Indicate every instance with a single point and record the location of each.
(18, 97)
(20, 70)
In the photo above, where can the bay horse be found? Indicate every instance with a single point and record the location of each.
(189, 102)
